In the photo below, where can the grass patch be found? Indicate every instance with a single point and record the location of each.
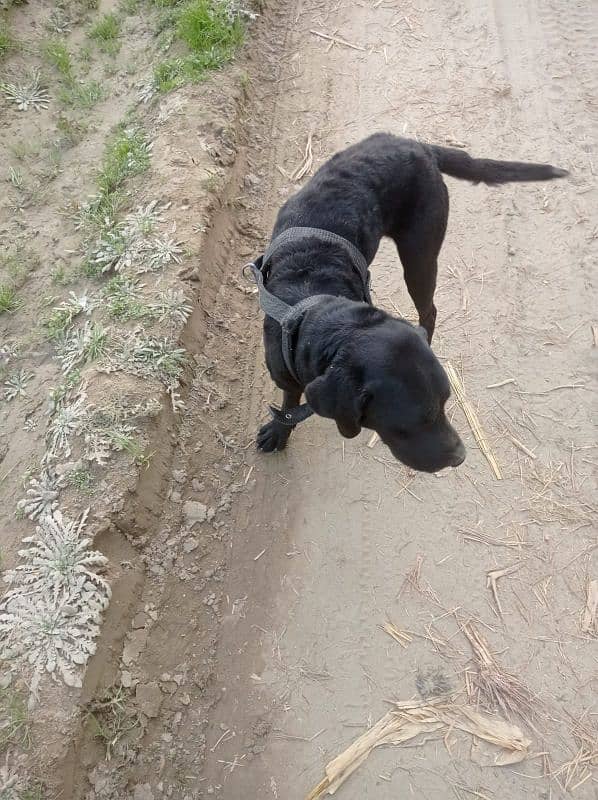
(123, 300)
(128, 7)
(105, 33)
(9, 301)
(80, 94)
(81, 479)
(25, 148)
(15, 267)
(127, 444)
(205, 25)
(56, 54)
(6, 42)
(14, 720)
(128, 154)
(60, 277)
(211, 33)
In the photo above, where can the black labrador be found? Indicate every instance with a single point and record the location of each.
(357, 364)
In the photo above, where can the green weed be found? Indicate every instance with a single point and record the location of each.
(211, 35)
(127, 155)
(58, 56)
(32, 792)
(111, 718)
(23, 148)
(128, 7)
(81, 479)
(6, 42)
(16, 265)
(206, 26)
(106, 32)
(9, 301)
(14, 720)
(89, 269)
(82, 95)
(123, 300)
(59, 276)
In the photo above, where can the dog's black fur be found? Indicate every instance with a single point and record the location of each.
(357, 364)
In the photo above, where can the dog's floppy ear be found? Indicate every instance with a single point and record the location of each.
(335, 395)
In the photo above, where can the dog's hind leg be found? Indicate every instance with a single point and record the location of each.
(419, 244)
(274, 435)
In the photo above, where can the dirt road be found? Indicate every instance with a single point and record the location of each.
(281, 643)
(334, 537)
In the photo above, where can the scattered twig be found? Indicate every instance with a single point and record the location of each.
(472, 418)
(337, 40)
(501, 383)
(308, 159)
(493, 575)
(589, 620)
(402, 637)
(522, 447)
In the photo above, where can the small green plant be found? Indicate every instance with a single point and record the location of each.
(15, 176)
(81, 479)
(59, 276)
(9, 301)
(6, 43)
(71, 130)
(128, 7)
(23, 148)
(56, 54)
(89, 269)
(80, 94)
(32, 792)
(111, 718)
(127, 444)
(63, 315)
(14, 720)
(17, 264)
(106, 32)
(123, 299)
(128, 154)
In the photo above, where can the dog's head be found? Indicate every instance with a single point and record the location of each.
(387, 378)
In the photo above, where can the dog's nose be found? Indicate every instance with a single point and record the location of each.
(458, 457)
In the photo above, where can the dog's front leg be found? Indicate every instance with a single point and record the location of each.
(274, 435)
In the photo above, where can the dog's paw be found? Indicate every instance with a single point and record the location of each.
(272, 437)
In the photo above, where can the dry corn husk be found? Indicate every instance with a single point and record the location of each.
(408, 720)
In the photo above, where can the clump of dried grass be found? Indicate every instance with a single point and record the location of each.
(579, 769)
(493, 686)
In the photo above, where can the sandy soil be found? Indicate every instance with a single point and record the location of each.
(334, 537)
(245, 627)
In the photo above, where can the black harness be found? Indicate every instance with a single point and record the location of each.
(289, 317)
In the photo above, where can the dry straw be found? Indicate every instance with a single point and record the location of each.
(472, 418)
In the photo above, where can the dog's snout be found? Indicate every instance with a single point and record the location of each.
(458, 456)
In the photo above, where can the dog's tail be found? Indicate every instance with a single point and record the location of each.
(460, 164)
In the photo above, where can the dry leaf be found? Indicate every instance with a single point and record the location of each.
(409, 720)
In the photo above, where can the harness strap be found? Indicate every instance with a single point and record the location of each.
(356, 257)
(288, 317)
